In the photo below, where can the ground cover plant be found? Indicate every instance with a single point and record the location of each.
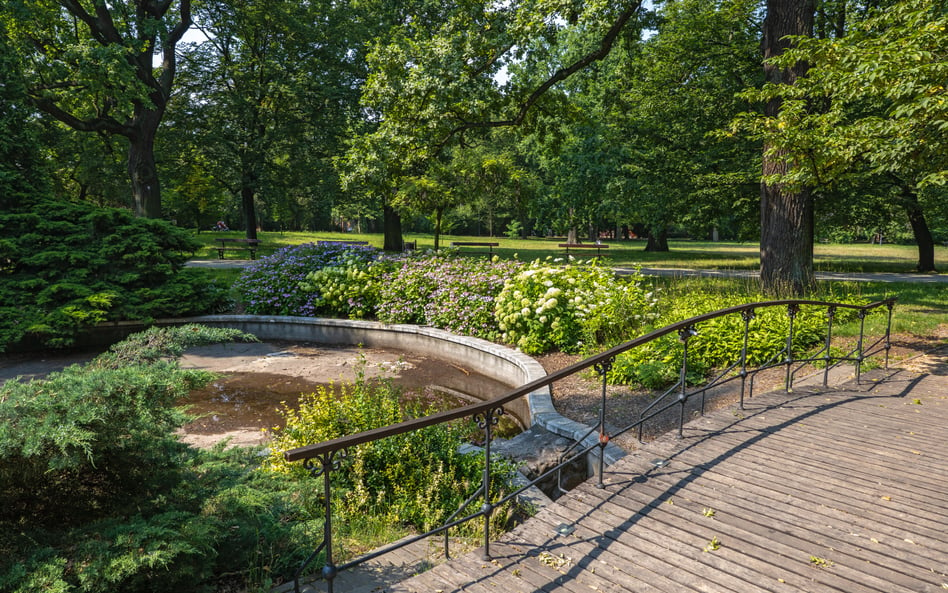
(718, 342)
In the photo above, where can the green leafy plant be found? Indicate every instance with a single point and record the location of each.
(417, 478)
(718, 342)
(549, 305)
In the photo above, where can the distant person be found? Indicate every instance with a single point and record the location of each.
(221, 226)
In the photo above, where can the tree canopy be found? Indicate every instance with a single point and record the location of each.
(577, 118)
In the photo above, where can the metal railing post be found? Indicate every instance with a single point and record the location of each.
(746, 315)
(859, 357)
(684, 335)
(889, 303)
(603, 369)
(792, 311)
(830, 315)
(491, 417)
(327, 463)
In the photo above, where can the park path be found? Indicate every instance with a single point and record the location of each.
(835, 490)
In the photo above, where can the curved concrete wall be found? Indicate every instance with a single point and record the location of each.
(504, 364)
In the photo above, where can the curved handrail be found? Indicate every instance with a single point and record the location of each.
(323, 458)
(319, 449)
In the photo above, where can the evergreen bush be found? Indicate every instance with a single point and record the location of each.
(99, 495)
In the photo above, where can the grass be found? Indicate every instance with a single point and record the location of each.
(683, 254)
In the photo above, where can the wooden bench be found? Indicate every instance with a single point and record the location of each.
(490, 246)
(250, 245)
(597, 246)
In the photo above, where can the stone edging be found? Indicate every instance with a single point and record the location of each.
(500, 362)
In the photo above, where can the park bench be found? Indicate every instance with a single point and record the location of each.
(490, 246)
(249, 245)
(597, 246)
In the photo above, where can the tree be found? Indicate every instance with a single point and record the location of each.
(90, 66)
(438, 79)
(786, 212)
(270, 90)
(871, 110)
(664, 100)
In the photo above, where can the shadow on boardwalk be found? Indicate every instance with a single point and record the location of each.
(838, 490)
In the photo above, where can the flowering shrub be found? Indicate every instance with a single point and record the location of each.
(408, 289)
(348, 289)
(270, 286)
(464, 300)
(446, 291)
(550, 306)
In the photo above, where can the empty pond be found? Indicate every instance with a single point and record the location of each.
(257, 378)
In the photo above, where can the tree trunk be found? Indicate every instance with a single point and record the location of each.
(657, 241)
(248, 192)
(439, 212)
(392, 227)
(142, 170)
(786, 240)
(786, 217)
(249, 209)
(923, 235)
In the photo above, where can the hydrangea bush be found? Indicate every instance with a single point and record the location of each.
(350, 288)
(271, 285)
(465, 298)
(408, 289)
(549, 305)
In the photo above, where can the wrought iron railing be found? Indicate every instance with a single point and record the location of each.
(324, 458)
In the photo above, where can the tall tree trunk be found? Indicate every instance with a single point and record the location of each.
(392, 227)
(249, 209)
(786, 217)
(439, 212)
(923, 235)
(248, 193)
(143, 174)
(657, 241)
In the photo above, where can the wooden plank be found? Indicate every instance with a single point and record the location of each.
(792, 479)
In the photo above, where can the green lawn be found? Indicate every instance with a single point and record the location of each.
(683, 254)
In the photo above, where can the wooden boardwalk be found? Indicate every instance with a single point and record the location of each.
(840, 491)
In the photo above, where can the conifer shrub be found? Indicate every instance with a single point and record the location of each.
(98, 495)
(67, 266)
